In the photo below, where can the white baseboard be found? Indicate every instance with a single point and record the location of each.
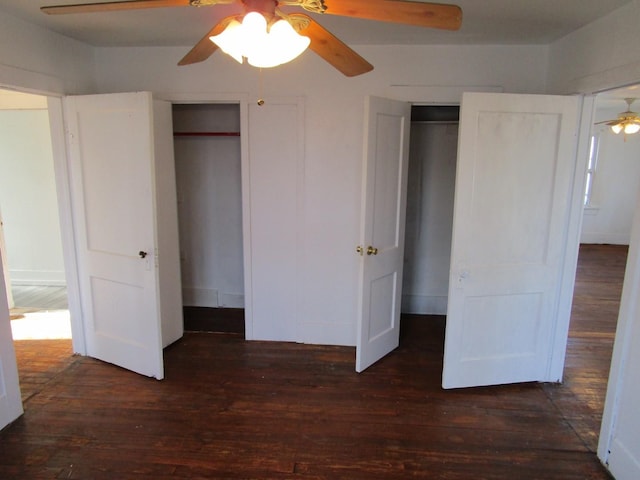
(424, 305)
(50, 278)
(605, 238)
(210, 297)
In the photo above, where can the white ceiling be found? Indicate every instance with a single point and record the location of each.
(484, 22)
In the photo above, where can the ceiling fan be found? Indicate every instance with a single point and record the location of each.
(627, 121)
(321, 41)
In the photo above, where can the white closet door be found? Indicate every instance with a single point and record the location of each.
(10, 399)
(383, 222)
(514, 181)
(111, 150)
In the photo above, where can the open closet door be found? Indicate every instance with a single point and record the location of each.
(10, 399)
(383, 220)
(513, 199)
(112, 154)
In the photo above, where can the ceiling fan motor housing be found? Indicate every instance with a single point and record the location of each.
(265, 7)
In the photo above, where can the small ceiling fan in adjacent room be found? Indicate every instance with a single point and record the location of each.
(628, 122)
(267, 36)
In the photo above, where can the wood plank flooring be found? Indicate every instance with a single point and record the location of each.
(594, 317)
(235, 409)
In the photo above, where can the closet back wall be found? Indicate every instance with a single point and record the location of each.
(208, 177)
(432, 174)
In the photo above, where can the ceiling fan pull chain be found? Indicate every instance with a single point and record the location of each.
(260, 99)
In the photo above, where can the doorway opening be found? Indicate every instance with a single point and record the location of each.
(30, 240)
(209, 189)
(429, 221)
(613, 181)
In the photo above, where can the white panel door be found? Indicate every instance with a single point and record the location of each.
(386, 161)
(619, 445)
(516, 167)
(5, 268)
(624, 456)
(10, 399)
(111, 167)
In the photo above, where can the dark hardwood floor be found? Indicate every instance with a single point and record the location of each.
(594, 317)
(235, 409)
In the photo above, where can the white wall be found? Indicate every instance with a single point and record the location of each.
(599, 56)
(41, 61)
(28, 199)
(616, 183)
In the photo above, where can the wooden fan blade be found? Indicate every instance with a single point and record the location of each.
(332, 49)
(433, 15)
(112, 6)
(205, 47)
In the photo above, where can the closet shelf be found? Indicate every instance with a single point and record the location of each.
(206, 134)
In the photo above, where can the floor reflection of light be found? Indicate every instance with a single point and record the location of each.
(40, 325)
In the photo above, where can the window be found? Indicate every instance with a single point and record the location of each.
(591, 168)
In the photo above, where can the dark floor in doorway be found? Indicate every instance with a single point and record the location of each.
(216, 320)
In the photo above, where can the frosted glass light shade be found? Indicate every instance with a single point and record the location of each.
(230, 40)
(617, 128)
(631, 128)
(264, 49)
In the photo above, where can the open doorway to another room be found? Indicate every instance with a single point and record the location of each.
(612, 186)
(208, 176)
(30, 241)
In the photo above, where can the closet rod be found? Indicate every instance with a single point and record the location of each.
(206, 134)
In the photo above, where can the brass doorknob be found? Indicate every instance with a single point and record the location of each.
(372, 250)
(359, 249)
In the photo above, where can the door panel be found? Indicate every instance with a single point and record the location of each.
(111, 156)
(619, 445)
(384, 211)
(5, 268)
(10, 399)
(516, 167)
(275, 187)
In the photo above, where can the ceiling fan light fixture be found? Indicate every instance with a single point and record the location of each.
(263, 47)
(627, 122)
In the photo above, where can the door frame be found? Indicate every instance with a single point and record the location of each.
(243, 101)
(558, 344)
(63, 185)
(627, 315)
(63, 188)
(65, 215)
(65, 220)
(5, 267)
